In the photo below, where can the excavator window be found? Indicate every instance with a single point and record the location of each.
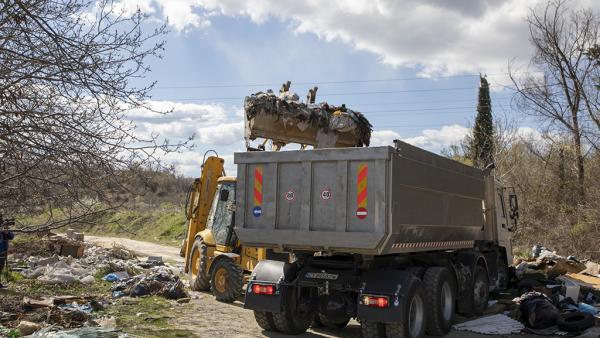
(221, 215)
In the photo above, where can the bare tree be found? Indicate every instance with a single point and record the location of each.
(66, 68)
(561, 89)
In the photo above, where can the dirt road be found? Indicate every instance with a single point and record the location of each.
(208, 318)
(143, 248)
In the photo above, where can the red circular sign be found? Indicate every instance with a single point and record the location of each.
(290, 195)
(361, 213)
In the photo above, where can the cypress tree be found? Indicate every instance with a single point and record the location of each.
(482, 143)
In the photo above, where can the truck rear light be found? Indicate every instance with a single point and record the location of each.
(375, 301)
(263, 289)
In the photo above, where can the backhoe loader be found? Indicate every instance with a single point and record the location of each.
(214, 259)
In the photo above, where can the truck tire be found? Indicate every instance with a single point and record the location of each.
(199, 280)
(440, 287)
(413, 320)
(478, 299)
(372, 330)
(290, 320)
(264, 319)
(575, 321)
(226, 280)
(322, 320)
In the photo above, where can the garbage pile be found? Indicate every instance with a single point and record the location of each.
(50, 264)
(550, 295)
(285, 119)
(160, 281)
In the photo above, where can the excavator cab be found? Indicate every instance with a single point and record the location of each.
(221, 216)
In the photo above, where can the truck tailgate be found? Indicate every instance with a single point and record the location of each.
(323, 199)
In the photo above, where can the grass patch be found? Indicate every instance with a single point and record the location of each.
(155, 319)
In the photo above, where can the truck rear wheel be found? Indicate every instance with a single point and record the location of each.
(372, 330)
(292, 320)
(440, 287)
(324, 321)
(199, 280)
(481, 290)
(227, 280)
(413, 320)
(265, 320)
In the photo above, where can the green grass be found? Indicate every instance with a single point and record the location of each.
(154, 319)
(163, 225)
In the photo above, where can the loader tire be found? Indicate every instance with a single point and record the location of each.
(198, 276)
(227, 280)
(290, 320)
(372, 330)
(265, 320)
(440, 288)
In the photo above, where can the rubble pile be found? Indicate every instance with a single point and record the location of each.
(550, 295)
(328, 119)
(82, 264)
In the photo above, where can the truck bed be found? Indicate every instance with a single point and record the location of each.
(370, 201)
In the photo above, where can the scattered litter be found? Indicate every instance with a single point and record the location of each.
(116, 276)
(88, 332)
(495, 324)
(537, 310)
(26, 328)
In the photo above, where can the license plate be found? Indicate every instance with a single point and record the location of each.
(322, 275)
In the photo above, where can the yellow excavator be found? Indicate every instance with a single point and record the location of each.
(214, 258)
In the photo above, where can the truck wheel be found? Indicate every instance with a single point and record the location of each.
(440, 287)
(227, 280)
(291, 320)
(198, 277)
(413, 320)
(478, 299)
(265, 320)
(372, 330)
(323, 321)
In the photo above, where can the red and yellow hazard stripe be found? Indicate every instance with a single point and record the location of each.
(258, 186)
(361, 185)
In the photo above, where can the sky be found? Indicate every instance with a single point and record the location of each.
(411, 66)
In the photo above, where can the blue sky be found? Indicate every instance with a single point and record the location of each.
(430, 51)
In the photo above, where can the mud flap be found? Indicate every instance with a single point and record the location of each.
(388, 283)
(268, 272)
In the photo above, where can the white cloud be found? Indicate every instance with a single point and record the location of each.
(222, 134)
(434, 36)
(383, 138)
(438, 139)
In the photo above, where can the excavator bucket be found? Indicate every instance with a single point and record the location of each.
(284, 119)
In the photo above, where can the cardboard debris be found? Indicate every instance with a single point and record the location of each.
(584, 280)
(496, 324)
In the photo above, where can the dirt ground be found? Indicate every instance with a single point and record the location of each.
(206, 317)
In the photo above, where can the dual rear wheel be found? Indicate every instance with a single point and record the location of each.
(427, 307)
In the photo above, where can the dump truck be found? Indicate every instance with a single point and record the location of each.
(399, 238)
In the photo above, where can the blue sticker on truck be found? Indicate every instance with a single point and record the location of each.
(257, 211)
